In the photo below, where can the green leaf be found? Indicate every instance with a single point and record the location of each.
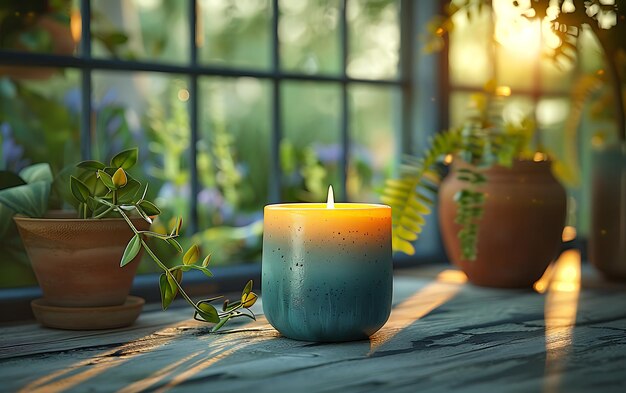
(178, 277)
(7, 229)
(412, 221)
(125, 159)
(167, 295)
(79, 190)
(403, 246)
(419, 206)
(174, 243)
(131, 251)
(93, 183)
(204, 270)
(143, 215)
(192, 255)
(208, 312)
(206, 261)
(177, 226)
(405, 234)
(115, 38)
(128, 193)
(398, 184)
(91, 164)
(247, 288)
(9, 179)
(149, 208)
(106, 179)
(37, 172)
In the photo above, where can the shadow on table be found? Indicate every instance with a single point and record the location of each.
(442, 333)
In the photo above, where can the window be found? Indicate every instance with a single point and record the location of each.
(233, 104)
(498, 44)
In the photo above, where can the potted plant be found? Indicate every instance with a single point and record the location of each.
(607, 22)
(501, 210)
(85, 265)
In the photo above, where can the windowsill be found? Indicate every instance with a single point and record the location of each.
(442, 334)
(226, 279)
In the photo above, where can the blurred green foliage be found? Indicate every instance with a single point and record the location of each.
(39, 119)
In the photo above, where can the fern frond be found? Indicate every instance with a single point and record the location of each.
(411, 196)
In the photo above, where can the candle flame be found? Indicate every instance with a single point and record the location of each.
(330, 202)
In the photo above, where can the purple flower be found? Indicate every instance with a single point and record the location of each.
(328, 153)
(110, 97)
(72, 101)
(210, 197)
(12, 153)
(170, 191)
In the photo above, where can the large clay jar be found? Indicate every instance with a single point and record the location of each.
(521, 227)
(607, 236)
(77, 261)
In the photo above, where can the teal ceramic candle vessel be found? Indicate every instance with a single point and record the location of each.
(327, 272)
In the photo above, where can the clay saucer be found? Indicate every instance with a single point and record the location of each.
(87, 318)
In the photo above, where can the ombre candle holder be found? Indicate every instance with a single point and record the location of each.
(327, 270)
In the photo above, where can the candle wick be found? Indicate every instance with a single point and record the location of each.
(330, 202)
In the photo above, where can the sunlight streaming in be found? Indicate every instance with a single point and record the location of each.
(447, 284)
(222, 347)
(513, 32)
(561, 306)
(82, 371)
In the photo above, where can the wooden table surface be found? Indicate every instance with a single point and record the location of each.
(443, 334)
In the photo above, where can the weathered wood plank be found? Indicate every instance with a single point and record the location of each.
(442, 335)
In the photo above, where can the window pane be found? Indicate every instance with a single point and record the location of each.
(552, 114)
(39, 122)
(141, 29)
(470, 44)
(518, 49)
(310, 151)
(235, 33)
(513, 109)
(515, 68)
(517, 108)
(555, 78)
(374, 118)
(309, 36)
(148, 111)
(592, 56)
(40, 26)
(459, 102)
(233, 166)
(374, 33)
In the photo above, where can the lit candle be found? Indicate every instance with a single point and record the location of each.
(327, 270)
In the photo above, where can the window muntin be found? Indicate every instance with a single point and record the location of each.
(128, 91)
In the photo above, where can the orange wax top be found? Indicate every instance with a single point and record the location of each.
(321, 209)
(362, 223)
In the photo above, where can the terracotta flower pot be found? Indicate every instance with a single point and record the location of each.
(607, 237)
(520, 230)
(77, 261)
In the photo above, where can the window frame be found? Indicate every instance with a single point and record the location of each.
(421, 81)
